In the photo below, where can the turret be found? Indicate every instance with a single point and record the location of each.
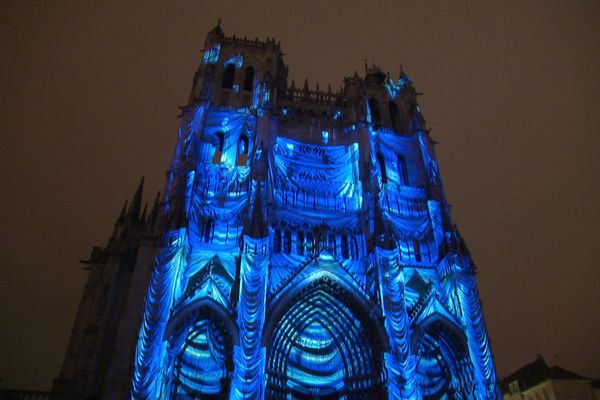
(238, 72)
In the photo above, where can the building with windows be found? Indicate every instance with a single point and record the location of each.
(538, 381)
(303, 249)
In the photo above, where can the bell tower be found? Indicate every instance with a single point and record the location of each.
(307, 249)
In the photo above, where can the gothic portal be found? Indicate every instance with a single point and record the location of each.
(306, 247)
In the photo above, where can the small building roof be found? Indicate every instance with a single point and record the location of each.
(535, 373)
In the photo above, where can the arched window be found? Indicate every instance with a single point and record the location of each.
(242, 158)
(393, 114)
(382, 169)
(300, 243)
(219, 150)
(402, 171)
(249, 79)
(228, 76)
(375, 114)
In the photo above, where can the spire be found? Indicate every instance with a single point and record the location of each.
(143, 217)
(305, 90)
(215, 35)
(403, 75)
(123, 213)
(136, 203)
(217, 29)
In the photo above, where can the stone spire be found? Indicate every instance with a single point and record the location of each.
(123, 214)
(136, 204)
(144, 213)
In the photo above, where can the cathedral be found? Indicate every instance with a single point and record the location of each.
(303, 249)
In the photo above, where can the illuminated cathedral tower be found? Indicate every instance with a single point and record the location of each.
(307, 247)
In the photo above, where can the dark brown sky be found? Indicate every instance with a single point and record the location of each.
(89, 94)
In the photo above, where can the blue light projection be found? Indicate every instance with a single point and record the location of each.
(211, 56)
(237, 60)
(295, 264)
(394, 88)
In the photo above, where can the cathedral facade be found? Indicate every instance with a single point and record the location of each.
(303, 249)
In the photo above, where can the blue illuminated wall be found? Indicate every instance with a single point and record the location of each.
(308, 249)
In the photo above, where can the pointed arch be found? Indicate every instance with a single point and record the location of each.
(321, 344)
(202, 337)
(443, 363)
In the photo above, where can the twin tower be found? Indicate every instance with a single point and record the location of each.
(304, 249)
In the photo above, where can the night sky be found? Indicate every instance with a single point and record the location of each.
(89, 94)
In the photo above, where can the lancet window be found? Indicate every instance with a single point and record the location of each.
(228, 76)
(249, 79)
